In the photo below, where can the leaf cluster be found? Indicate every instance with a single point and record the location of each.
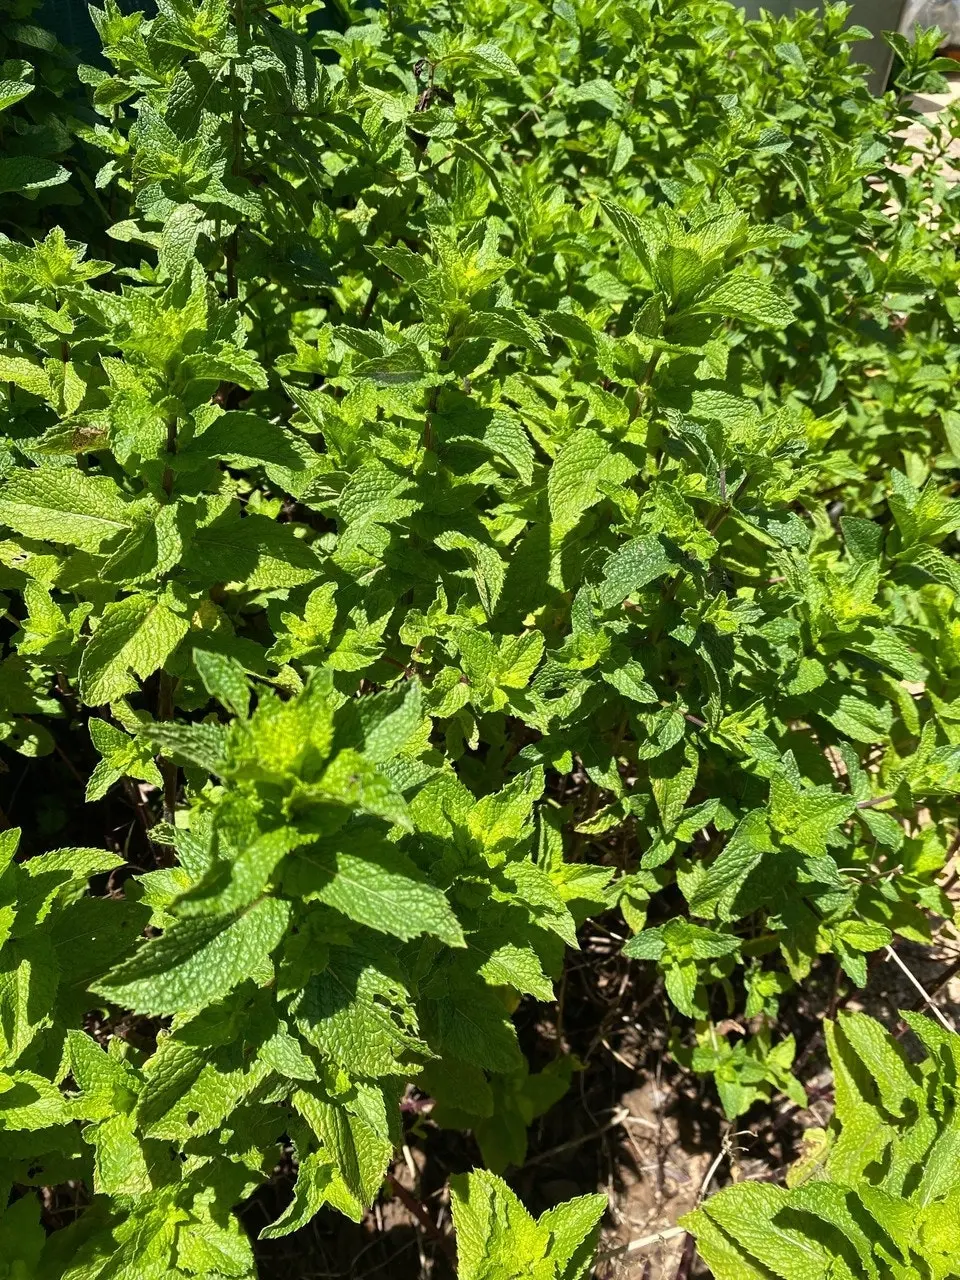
(875, 1194)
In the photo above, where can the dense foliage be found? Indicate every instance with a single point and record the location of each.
(874, 1195)
(485, 467)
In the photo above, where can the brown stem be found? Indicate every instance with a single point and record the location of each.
(686, 1259)
(950, 972)
(67, 692)
(168, 768)
(171, 774)
(171, 448)
(69, 763)
(414, 1206)
(64, 345)
(655, 444)
(236, 167)
(137, 801)
(559, 1046)
(231, 257)
(872, 804)
(432, 402)
(674, 585)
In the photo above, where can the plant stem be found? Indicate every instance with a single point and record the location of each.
(874, 803)
(418, 1210)
(171, 449)
(236, 129)
(434, 398)
(168, 769)
(729, 504)
(686, 1258)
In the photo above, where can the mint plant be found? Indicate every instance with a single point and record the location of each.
(34, 71)
(871, 1195)
(474, 475)
(496, 1236)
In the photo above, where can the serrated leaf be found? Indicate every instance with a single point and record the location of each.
(574, 483)
(198, 960)
(224, 679)
(31, 173)
(133, 639)
(23, 373)
(495, 58)
(253, 551)
(360, 1015)
(746, 298)
(310, 1194)
(383, 890)
(632, 567)
(65, 505)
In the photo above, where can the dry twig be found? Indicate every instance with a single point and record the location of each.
(915, 982)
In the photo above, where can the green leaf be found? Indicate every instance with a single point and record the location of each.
(30, 1101)
(224, 679)
(247, 440)
(746, 298)
(381, 888)
(198, 960)
(495, 1233)
(574, 483)
(31, 173)
(493, 57)
(64, 505)
(133, 639)
(749, 1218)
(252, 551)
(359, 1153)
(574, 1227)
(13, 90)
(310, 1194)
(632, 567)
(515, 966)
(359, 1014)
(24, 373)
(498, 1238)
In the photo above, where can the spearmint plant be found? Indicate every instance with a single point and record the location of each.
(447, 408)
(872, 1195)
(37, 133)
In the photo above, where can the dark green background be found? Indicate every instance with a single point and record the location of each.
(70, 21)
